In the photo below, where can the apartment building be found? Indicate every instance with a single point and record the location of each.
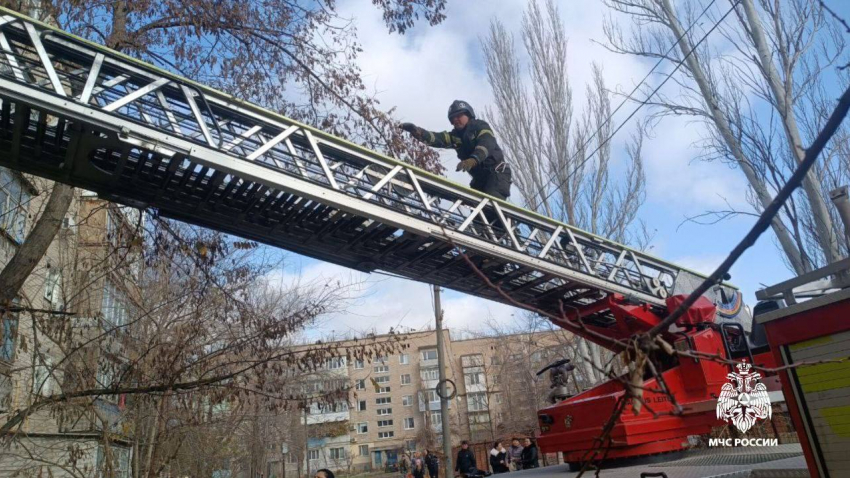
(393, 407)
(32, 363)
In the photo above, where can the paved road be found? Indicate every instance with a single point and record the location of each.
(783, 461)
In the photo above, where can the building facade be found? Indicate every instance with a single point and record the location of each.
(70, 297)
(393, 408)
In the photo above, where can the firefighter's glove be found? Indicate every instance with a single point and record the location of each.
(412, 129)
(467, 164)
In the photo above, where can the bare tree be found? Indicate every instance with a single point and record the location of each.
(763, 94)
(550, 146)
(294, 58)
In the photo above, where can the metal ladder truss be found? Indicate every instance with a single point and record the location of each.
(76, 112)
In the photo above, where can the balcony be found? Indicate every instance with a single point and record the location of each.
(428, 363)
(330, 417)
(86, 421)
(475, 388)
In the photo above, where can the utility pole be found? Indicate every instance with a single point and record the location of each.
(448, 470)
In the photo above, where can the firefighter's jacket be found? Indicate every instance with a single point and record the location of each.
(477, 141)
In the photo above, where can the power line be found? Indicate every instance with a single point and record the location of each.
(644, 102)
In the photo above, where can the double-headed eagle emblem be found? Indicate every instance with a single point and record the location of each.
(744, 399)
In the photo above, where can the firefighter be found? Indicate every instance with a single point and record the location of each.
(476, 147)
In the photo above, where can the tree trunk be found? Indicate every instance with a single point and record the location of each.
(35, 246)
(799, 262)
(784, 103)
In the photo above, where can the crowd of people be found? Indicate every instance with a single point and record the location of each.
(518, 456)
(417, 464)
(514, 458)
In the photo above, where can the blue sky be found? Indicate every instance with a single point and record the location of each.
(421, 72)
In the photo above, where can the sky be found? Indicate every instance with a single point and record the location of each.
(422, 72)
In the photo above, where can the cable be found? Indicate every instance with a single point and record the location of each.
(642, 103)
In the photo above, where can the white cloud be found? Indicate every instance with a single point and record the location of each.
(375, 302)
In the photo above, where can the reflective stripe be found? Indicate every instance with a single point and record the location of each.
(480, 133)
(431, 138)
(447, 138)
(486, 152)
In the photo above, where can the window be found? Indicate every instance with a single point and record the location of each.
(335, 363)
(114, 306)
(53, 290)
(431, 396)
(408, 423)
(385, 411)
(42, 380)
(384, 379)
(10, 331)
(405, 379)
(410, 445)
(361, 406)
(430, 373)
(436, 418)
(362, 427)
(495, 360)
(383, 400)
(498, 397)
(120, 463)
(358, 365)
(364, 450)
(473, 378)
(385, 435)
(430, 354)
(385, 423)
(404, 359)
(476, 402)
(105, 373)
(407, 400)
(14, 205)
(384, 390)
(337, 453)
(479, 418)
(360, 384)
(313, 455)
(382, 369)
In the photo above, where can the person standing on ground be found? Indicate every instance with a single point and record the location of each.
(418, 466)
(432, 463)
(476, 147)
(515, 455)
(404, 466)
(529, 455)
(465, 462)
(498, 459)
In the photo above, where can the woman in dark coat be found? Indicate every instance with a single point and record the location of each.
(432, 463)
(529, 455)
(499, 458)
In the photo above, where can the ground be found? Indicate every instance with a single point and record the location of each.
(783, 461)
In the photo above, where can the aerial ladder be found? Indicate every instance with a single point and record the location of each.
(79, 113)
